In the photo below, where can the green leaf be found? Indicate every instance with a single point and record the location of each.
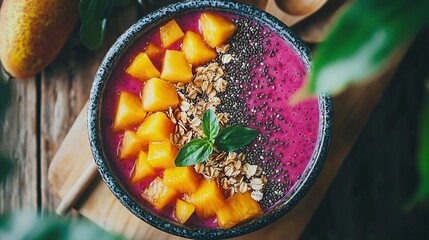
(422, 193)
(193, 152)
(92, 33)
(210, 124)
(235, 137)
(26, 225)
(367, 35)
(92, 9)
(93, 15)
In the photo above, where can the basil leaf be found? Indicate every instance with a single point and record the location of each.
(364, 40)
(235, 137)
(210, 124)
(193, 152)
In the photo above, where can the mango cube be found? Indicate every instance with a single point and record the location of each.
(153, 51)
(155, 128)
(129, 111)
(182, 179)
(161, 155)
(170, 33)
(216, 29)
(175, 67)
(183, 211)
(197, 52)
(207, 199)
(238, 208)
(142, 68)
(142, 169)
(131, 145)
(159, 95)
(158, 194)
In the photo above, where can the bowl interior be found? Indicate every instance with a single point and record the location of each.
(106, 168)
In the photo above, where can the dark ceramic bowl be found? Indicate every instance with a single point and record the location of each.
(110, 176)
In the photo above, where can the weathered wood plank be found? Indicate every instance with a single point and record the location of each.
(18, 142)
(65, 90)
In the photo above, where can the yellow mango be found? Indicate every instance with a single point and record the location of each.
(159, 95)
(175, 67)
(142, 68)
(238, 208)
(170, 33)
(207, 199)
(158, 194)
(131, 145)
(156, 128)
(153, 51)
(129, 111)
(161, 155)
(197, 52)
(182, 179)
(142, 169)
(32, 33)
(216, 29)
(183, 211)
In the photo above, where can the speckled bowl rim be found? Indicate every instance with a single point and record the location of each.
(121, 46)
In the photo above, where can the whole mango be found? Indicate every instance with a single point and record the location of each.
(32, 32)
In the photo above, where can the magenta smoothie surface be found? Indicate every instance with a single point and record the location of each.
(264, 74)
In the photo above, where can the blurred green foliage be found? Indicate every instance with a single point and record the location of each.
(93, 16)
(363, 43)
(28, 225)
(364, 40)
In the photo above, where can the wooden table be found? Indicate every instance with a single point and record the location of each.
(364, 201)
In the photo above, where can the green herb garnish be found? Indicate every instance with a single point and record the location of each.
(228, 139)
(235, 137)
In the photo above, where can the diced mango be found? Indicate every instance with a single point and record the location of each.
(142, 68)
(153, 51)
(129, 111)
(142, 169)
(197, 52)
(158, 194)
(216, 29)
(207, 199)
(162, 154)
(182, 179)
(175, 67)
(156, 128)
(131, 145)
(183, 211)
(170, 33)
(159, 95)
(238, 208)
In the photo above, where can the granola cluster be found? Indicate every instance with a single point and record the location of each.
(229, 170)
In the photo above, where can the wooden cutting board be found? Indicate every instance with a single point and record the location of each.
(351, 111)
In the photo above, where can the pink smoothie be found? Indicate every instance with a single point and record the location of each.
(258, 98)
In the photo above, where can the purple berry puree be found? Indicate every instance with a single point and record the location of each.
(264, 73)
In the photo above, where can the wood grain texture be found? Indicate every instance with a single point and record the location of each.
(65, 90)
(18, 142)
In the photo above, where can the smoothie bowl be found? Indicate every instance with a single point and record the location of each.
(190, 123)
